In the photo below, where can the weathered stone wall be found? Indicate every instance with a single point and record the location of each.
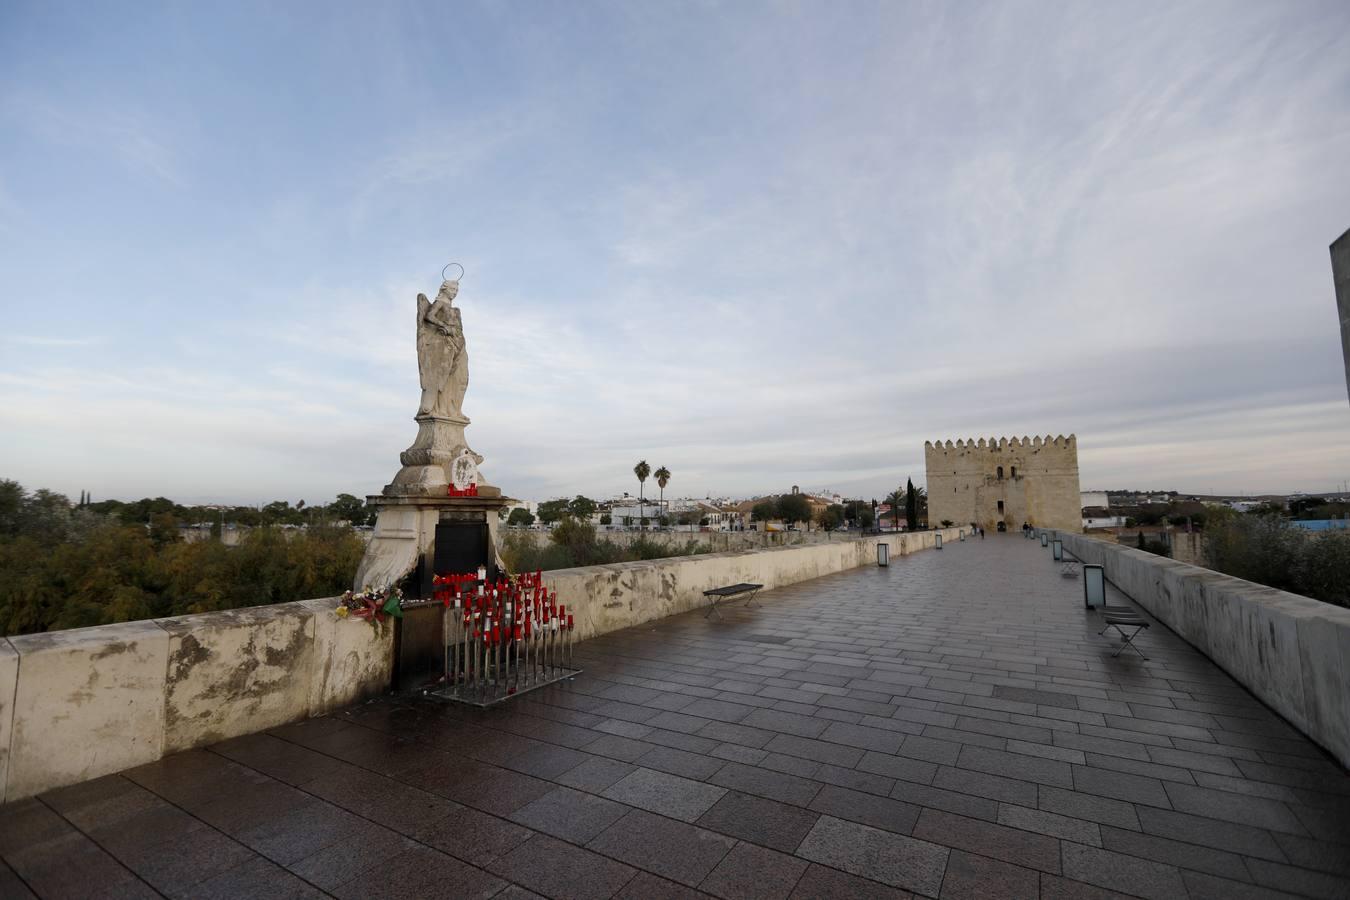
(1290, 651)
(1039, 484)
(715, 541)
(82, 703)
(78, 704)
(607, 598)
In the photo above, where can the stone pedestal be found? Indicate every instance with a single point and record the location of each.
(417, 499)
(405, 544)
(405, 534)
(421, 531)
(440, 440)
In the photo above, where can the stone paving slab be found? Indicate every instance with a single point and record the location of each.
(951, 726)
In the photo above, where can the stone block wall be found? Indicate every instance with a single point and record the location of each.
(608, 598)
(1038, 484)
(1292, 652)
(85, 702)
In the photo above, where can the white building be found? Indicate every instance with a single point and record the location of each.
(1103, 521)
(1098, 499)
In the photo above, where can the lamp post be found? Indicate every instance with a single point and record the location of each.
(1094, 586)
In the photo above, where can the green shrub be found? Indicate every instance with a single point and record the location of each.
(1271, 551)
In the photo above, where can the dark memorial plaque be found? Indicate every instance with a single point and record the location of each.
(462, 544)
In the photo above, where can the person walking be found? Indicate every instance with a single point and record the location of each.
(981, 534)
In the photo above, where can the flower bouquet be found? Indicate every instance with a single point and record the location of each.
(376, 607)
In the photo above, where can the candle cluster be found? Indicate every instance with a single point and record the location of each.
(502, 636)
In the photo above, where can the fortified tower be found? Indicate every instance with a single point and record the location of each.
(1001, 484)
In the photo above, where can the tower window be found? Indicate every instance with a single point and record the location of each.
(1000, 507)
(1000, 473)
(1014, 471)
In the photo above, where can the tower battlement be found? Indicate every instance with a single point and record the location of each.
(1002, 483)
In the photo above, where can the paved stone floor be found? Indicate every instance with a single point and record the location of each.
(949, 727)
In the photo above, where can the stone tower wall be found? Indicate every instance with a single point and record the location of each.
(1340, 273)
(1039, 483)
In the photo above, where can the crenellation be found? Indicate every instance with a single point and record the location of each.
(1031, 480)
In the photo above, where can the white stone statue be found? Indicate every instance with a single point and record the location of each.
(442, 356)
(439, 458)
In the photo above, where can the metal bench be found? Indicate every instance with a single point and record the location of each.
(723, 594)
(1120, 618)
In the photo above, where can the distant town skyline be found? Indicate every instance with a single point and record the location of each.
(760, 245)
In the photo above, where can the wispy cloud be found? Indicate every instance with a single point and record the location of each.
(101, 127)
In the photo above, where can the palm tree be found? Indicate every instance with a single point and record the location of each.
(662, 476)
(896, 499)
(641, 470)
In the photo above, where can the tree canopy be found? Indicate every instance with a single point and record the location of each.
(831, 517)
(794, 508)
(581, 507)
(64, 566)
(763, 511)
(896, 499)
(551, 511)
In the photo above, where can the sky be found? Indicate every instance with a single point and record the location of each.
(762, 244)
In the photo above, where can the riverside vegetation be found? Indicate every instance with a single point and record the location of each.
(1271, 550)
(70, 566)
(574, 543)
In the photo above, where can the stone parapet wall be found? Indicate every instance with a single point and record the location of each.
(715, 541)
(608, 598)
(86, 702)
(1292, 652)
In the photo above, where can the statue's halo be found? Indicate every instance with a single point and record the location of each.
(448, 265)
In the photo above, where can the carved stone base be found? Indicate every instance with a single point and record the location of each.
(425, 472)
(405, 533)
